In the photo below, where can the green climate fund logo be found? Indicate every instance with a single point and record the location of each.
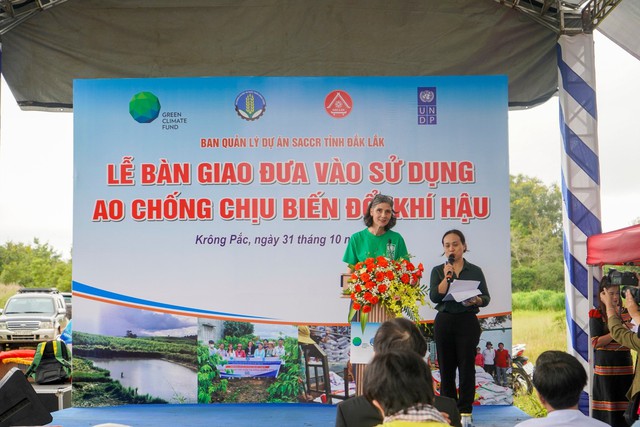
(144, 107)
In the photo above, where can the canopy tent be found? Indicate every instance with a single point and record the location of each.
(615, 248)
(618, 247)
(621, 26)
(164, 38)
(48, 43)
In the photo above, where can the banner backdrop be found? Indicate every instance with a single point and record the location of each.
(234, 198)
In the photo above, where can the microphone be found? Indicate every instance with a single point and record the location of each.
(450, 274)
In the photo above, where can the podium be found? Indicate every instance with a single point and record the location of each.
(378, 314)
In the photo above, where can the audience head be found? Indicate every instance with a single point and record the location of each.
(377, 199)
(401, 334)
(396, 380)
(559, 379)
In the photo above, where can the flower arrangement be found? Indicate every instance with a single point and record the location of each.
(393, 283)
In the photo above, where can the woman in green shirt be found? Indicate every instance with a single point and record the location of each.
(377, 239)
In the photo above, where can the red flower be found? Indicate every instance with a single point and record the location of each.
(374, 300)
(379, 276)
(369, 285)
(356, 306)
(382, 288)
(366, 309)
(368, 296)
(404, 278)
(358, 288)
(365, 277)
(382, 261)
(390, 275)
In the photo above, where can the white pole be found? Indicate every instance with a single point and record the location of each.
(580, 184)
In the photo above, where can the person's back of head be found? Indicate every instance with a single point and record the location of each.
(559, 378)
(400, 334)
(398, 380)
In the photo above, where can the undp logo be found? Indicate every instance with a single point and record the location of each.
(144, 107)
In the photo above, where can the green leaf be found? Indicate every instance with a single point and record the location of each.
(352, 312)
(363, 320)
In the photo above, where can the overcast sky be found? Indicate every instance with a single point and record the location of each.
(36, 155)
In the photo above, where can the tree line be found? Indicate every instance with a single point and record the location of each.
(35, 265)
(536, 245)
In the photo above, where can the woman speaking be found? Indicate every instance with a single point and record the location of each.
(377, 239)
(456, 327)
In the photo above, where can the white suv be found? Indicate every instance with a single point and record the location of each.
(31, 316)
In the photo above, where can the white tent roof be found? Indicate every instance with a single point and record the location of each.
(622, 26)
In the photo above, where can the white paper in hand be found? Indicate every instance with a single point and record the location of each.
(460, 290)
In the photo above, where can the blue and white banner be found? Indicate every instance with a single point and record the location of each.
(234, 198)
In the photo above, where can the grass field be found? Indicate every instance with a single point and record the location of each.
(540, 331)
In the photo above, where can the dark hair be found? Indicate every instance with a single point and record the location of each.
(605, 283)
(377, 199)
(398, 380)
(559, 378)
(457, 233)
(401, 334)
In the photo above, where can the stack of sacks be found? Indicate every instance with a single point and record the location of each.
(482, 377)
(493, 394)
(487, 391)
(335, 343)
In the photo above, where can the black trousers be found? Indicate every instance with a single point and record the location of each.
(456, 337)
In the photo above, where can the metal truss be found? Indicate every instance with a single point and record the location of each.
(568, 17)
(13, 12)
(564, 17)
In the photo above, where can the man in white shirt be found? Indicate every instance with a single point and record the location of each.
(489, 355)
(559, 379)
(279, 351)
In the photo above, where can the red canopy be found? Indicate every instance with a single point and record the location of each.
(615, 247)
